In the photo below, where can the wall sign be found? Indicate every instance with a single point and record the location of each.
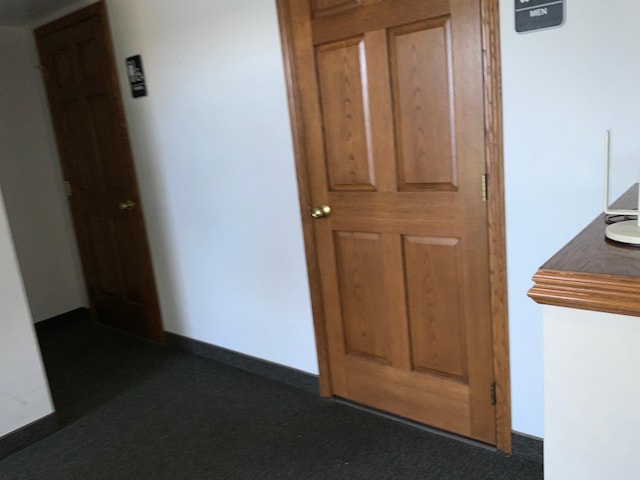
(136, 76)
(539, 14)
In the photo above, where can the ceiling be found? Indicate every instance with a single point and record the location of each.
(24, 12)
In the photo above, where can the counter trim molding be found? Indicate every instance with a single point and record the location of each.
(602, 293)
(592, 272)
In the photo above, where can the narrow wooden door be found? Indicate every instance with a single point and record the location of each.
(389, 95)
(93, 145)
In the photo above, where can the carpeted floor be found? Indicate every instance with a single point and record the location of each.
(135, 410)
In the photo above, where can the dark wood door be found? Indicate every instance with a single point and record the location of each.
(93, 145)
(391, 102)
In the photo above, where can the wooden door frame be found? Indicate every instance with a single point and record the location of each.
(495, 209)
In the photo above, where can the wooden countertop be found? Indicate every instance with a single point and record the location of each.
(592, 272)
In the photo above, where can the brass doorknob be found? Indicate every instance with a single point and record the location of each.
(321, 211)
(127, 205)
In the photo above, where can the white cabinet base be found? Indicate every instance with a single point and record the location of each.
(592, 395)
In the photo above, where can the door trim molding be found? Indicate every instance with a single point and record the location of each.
(304, 197)
(495, 208)
(496, 216)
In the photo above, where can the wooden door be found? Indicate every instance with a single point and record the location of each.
(86, 108)
(389, 100)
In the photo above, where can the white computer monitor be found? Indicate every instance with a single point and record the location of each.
(627, 232)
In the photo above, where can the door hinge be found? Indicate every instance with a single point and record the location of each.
(484, 187)
(67, 188)
(493, 393)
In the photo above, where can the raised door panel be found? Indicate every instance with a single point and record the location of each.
(104, 135)
(421, 66)
(435, 305)
(80, 157)
(62, 74)
(105, 256)
(90, 59)
(363, 298)
(345, 115)
(124, 231)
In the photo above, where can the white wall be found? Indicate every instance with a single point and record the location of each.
(24, 393)
(213, 151)
(591, 396)
(32, 183)
(562, 89)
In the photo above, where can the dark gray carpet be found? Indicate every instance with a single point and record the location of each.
(135, 410)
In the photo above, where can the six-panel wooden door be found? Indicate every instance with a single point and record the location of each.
(86, 108)
(390, 98)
